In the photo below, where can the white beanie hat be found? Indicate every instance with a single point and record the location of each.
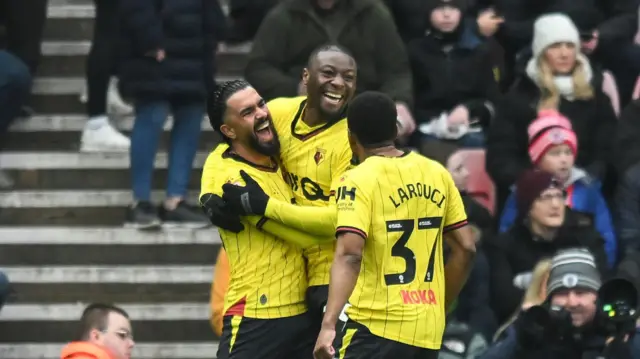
(553, 28)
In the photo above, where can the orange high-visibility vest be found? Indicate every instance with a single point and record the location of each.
(84, 350)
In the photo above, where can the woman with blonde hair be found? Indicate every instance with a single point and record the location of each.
(557, 77)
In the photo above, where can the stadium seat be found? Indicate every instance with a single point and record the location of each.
(636, 90)
(479, 186)
(611, 89)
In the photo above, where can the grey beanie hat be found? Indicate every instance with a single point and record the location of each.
(573, 268)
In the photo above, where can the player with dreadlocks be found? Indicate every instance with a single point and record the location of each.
(264, 311)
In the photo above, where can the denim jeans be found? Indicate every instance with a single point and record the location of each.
(4, 289)
(15, 85)
(147, 129)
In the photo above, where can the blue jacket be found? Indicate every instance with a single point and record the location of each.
(585, 198)
(507, 347)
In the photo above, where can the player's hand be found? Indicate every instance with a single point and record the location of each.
(219, 213)
(248, 199)
(324, 345)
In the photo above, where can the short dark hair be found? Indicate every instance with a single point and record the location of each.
(326, 48)
(96, 316)
(372, 118)
(217, 102)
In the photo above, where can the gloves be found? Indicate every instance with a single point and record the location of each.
(248, 200)
(219, 213)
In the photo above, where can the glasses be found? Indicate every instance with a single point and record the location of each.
(549, 197)
(122, 334)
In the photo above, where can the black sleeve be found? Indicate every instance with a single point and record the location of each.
(140, 18)
(626, 145)
(504, 152)
(622, 20)
(505, 298)
(627, 209)
(604, 134)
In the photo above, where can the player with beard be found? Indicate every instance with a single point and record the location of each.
(314, 152)
(264, 311)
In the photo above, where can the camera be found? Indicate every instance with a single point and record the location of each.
(617, 307)
(546, 323)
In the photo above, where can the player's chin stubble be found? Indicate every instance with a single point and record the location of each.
(269, 148)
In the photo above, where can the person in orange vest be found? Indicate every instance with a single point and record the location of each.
(219, 288)
(105, 334)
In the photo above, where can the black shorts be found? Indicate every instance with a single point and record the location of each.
(316, 301)
(359, 343)
(280, 338)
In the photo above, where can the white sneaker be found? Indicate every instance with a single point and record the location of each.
(115, 104)
(104, 138)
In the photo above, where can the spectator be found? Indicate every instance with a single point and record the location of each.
(24, 24)
(574, 332)
(15, 87)
(168, 67)
(473, 307)
(99, 135)
(219, 288)
(105, 332)
(607, 30)
(543, 226)
(246, 17)
(5, 289)
(553, 148)
(294, 28)
(627, 161)
(559, 78)
(454, 85)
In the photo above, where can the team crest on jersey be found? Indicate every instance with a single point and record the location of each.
(319, 156)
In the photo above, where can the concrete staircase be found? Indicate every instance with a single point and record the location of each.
(62, 243)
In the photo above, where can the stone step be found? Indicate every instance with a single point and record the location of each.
(107, 254)
(39, 331)
(114, 274)
(15, 312)
(74, 21)
(62, 94)
(68, 59)
(84, 171)
(76, 123)
(70, 141)
(150, 350)
(105, 235)
(71, 207)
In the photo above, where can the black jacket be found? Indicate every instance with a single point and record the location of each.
(627, 142)
(187, 30)
(615, 20)
(516, 251)
(444, 79)
(593, 121)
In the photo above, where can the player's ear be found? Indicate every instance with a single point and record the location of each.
(228, 131)
(305, 76)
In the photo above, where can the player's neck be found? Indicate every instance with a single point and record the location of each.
(384, 151)
(312, 117)
(252, 156)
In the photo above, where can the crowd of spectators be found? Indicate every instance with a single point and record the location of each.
(544, 87)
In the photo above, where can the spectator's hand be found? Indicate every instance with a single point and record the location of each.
(406, 123)
(458, 117)
(302, 89)
(324, 345)
(248, 200)
(159, 55)
(219, 213)
(489, 22)
(590, 46)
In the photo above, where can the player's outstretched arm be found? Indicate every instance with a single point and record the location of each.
(288, 234)
(319, 221)
(460, 262)
(344, 275)
(251, 199)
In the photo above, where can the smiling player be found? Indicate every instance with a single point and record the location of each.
(314, 151)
